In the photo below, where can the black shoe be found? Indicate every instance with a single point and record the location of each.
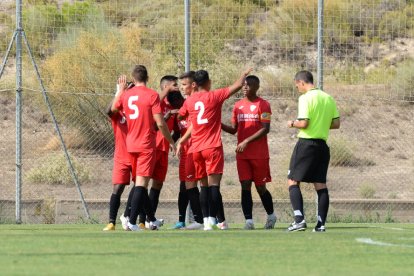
(319, 229)
(301, 226)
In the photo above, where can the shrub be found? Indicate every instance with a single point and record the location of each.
(403, 82)
(53, 169)
(367, 191)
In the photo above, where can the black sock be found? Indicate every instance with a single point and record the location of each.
(267, 202)
(182, 202)
(194, 197)
(297, 202)
(247, 203)
(323, 206)
(204, 201)
(154, 196)
(137, 203)
(220, 211)
(127, 211)
(114, 203)
(216, 202)
(142, 214)
(148, 210)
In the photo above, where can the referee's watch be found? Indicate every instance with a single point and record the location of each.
(293, 122)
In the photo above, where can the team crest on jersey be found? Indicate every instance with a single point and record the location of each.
(241, 107)
(252, 108)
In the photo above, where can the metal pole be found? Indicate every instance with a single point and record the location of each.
(6, 57)
(320, 63)
(187, 34)
(18, 110)
(320, 43)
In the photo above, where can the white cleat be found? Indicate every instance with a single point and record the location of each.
(270, 222)
(249, 225)
(223, 225)
(207, 227)
(133, 227)
(124, 222)
(194, 226)
(155, 225)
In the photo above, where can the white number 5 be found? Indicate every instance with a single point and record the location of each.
(200, 106)
(133, 107)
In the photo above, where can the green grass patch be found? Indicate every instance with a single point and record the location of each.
(86, 250)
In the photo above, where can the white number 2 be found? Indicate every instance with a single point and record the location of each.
(200, 106)
(133, 107)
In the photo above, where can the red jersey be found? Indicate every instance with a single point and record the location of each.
(139, 104)
(249, 117)
(119, 125)
(161, 141)
(204, 111)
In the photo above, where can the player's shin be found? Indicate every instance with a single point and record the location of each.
(247, 203)
(194, 197)
(323, 206)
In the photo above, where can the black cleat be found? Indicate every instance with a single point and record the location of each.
(301, 226)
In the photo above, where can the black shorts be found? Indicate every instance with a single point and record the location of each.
(309, 161)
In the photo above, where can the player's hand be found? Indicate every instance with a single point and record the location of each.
(247, 71)
(122, 82)
(173, 149)
(240, 147)
(178, 149)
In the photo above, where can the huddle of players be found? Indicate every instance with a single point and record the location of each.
(143, 121)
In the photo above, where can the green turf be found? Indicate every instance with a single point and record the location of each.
(86, 250)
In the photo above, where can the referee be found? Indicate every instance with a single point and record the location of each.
(317, 114)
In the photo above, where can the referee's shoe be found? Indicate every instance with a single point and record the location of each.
(297, 226)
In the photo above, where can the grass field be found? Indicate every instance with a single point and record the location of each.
(353, 249)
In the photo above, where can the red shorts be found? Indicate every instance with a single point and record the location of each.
(187, 169)
(121, 172)
(257, 170)
(143, 163)
(161, 166)
(209, 161)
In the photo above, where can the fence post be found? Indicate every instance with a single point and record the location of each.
(18, 109)
(187, 34)
(320, 43)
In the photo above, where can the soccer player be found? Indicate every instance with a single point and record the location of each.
(188, 183)
(204, 110)
(141, 106)
(251, 120)
(168, 85)
(122, 168)
(317, 114)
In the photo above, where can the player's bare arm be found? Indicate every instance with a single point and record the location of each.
(257, 135)
(162, 126)
(183, 139)
(232, 129)
(122, 85)
(237, 85)
(336, 123)
(301, 124)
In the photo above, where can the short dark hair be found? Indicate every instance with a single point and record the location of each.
(168, 78)
(175, 99)
(201, 77)
(305, 76)
(140, 73)
(252, 79)
(187, 75)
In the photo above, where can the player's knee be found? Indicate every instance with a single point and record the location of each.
(261, 190)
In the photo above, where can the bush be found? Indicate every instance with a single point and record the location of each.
(54, 170)
(403, 82)
(342, 155)
(367, 191)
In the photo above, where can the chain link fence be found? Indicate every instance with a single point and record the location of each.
(82, 46)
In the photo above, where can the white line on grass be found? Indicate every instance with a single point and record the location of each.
(388, 228)
(372, 242)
